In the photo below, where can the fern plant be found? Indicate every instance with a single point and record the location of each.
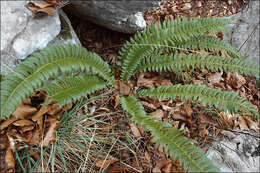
(155, 49)
(49, 63)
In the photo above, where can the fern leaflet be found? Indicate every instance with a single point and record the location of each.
(178, 147)
(223, 100)
(180, 61)
(69, 89)
(210, 44)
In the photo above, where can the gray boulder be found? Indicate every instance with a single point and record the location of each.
(21, 34)
(119, 15)
(245, 31)
(236, 152)
(67, 34)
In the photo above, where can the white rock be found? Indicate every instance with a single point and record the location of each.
(21, 34)
(245, 31)
(240, 154)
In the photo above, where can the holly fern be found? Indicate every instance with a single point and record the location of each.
(70, 72)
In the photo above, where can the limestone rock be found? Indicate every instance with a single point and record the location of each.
(123, 16)
(239, 152)
(67, 34)
(245, 31)
(21, 34)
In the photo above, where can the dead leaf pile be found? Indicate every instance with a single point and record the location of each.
(46, 7)
(31, 124)
(171, 9)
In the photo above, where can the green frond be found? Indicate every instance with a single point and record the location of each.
(223, 100)
(177, 146)
(32, 73)
(170, 32)
(70, 89)
(180, 61)
(210, 44)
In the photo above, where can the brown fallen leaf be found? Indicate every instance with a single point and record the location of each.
(40, 4)
(161, 82)
(102, 164)
(9, 160)
(50, 136)
(207, 120)
(23, 111)
(167, 168)
(229, 134)
(14, 134)
(3, 142)
(54, 2)
(161, 164)
(143, 82)
(48, 10)
(67, 107)
(197, 82)
(242, 123)
(215, 78)
(54, 109)
(11, 141)
(35, 138)
(7, 122)
(252, 124)
(225, 119)
(58, 115)
(103, 109)
(175, 124)
(135, 130)
(235, 80)
(188, 110)
(21, 123)
(179, 116)
(117, 101)
(34, 154)
(28, 136)
(105, 127)
(26, 128)
(148, 105)
(42, 7)
(147, 156)
(43, 110)
(124, 89)
(166, 108)
(203, 133)
(159, 114)
(27, 101)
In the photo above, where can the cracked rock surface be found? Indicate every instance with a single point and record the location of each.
(236, 152)
(245, 31)
(21, 35)
(123, 16)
